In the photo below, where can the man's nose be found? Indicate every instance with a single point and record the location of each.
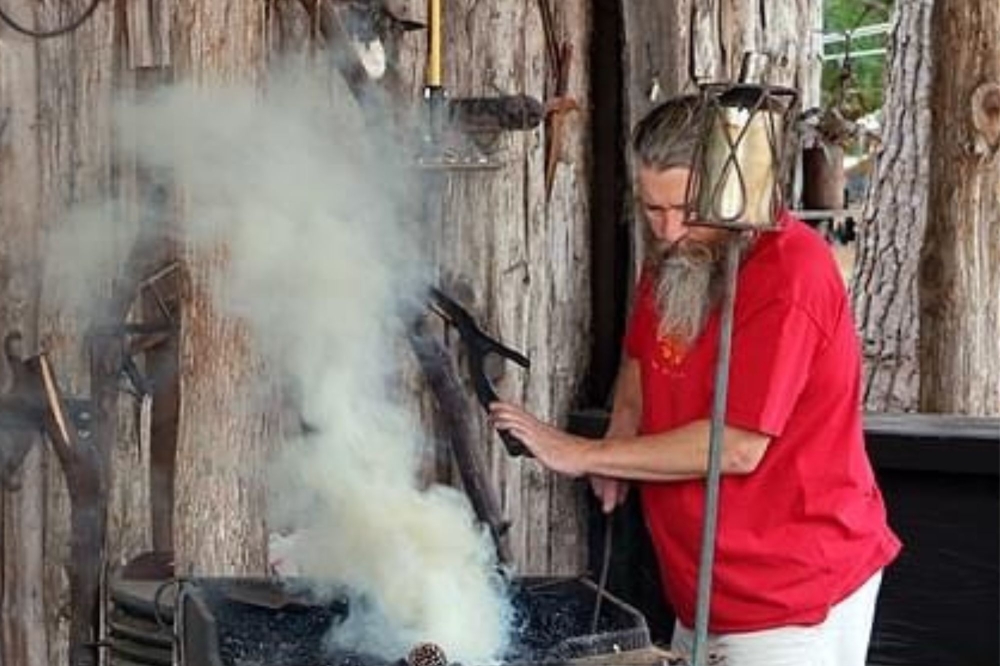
(669, 226)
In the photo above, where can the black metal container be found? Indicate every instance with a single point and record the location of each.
(251, 622)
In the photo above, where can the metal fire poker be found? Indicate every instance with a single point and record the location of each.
(736, 184)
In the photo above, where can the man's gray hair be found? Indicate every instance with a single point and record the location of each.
(666, 136)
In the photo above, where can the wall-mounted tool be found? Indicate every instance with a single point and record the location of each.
(35, 405)
(363, 36)
(81, 435)
(461, 133)
(23, 411)
(478, 346)
(559, 56)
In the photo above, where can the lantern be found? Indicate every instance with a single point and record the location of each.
(743, 156)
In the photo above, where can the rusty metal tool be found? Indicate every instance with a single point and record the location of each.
(560, 56)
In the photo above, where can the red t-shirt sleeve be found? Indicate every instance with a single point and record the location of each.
(772, 352)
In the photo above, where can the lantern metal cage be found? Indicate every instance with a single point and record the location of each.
(743, 156)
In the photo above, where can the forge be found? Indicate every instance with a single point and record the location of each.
(233, 621)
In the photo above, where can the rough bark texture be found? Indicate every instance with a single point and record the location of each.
(884, 285)
(220, 495)
(525, 261)
(960, 262)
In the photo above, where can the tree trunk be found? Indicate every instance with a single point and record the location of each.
(960, 262)
(926, 276)
(221, 441)
(884, 284)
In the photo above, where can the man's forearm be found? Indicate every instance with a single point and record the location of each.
(677, 455)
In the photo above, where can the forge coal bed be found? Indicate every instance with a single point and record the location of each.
(261, 622)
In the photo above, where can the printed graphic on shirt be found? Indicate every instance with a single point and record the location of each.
(669, 354)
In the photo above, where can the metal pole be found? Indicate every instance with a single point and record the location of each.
(718, 424)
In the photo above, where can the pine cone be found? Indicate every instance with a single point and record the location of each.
(426, 654)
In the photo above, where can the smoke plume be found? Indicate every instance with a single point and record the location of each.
(319, 222)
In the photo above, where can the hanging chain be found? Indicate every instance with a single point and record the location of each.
(15, 25)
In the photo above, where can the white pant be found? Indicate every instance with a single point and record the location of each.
(840, 640)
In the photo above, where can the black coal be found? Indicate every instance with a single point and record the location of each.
(552, 620)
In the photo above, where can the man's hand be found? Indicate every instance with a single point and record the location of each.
(610, 492)
(559, 451)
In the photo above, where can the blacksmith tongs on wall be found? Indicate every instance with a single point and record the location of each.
(478, 345)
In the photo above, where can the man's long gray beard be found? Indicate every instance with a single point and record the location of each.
(688, 286)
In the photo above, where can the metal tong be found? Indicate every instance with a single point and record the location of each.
(478, 345)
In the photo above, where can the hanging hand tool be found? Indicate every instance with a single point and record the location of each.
(460, 131)
(441, 146)
(478, 345)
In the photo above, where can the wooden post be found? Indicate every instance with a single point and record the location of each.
(213, 43)
(960, 259)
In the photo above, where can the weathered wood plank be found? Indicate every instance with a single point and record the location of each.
(291, 28)
(655, 55)
(148, 33)
(708, 39)
(23, 622)
(563, 281)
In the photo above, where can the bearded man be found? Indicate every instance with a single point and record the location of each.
(802, 535)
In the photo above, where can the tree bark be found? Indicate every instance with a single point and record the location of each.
(960, 261)
(884, 284)
(221, 441)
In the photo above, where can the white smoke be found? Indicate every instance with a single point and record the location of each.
(319, 225)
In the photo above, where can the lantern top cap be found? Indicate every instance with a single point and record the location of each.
(750, 95)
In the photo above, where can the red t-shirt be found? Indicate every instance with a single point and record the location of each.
(808, 526)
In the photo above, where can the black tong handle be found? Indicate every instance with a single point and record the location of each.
(478, 345)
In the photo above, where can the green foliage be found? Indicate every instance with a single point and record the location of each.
(858, 91)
